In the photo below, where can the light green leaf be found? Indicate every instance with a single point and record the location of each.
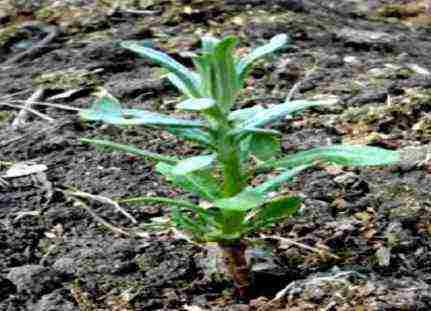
(264, 146)
(105, 108)
(244, 65)
(208, 44)
(199, 104)
(242, 115)
(276, 112)
(243, 201)
(201, 183)
(193, 164)
(130, 149)
(274, 183)
(351, 155)
(273, 211)
(180, 85)
(108, 110)
(188, 78)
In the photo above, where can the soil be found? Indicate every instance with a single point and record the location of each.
(372, 226)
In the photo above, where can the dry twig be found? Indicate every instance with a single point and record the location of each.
(22, 115)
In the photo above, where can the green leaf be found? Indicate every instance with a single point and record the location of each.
(243, 201)
(264, 146)
(104, 108)
(199, 104)
(197, 135)
(208, 44)
(273, 211)
(188, 78)
(242, 115)
(193, 164)
(351, 155)
(244, 65)
(130, 149)
(275, 182)
(201, 183)
(158, 200)
(180, 85)
(226, 76)
(185, 222)
(207, 74)
(276, 112)
(108, 110)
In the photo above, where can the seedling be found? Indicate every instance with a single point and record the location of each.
(236, 146)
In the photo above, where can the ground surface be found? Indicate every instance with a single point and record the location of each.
(373, 226)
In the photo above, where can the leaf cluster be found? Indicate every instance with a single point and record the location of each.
(236, 143)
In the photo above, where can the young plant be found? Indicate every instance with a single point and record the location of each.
(236, 146)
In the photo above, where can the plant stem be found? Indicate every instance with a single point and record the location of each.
(234, 258)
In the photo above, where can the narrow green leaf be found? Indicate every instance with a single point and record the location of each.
(131, 149)
(103, 108)
(158, 200)
(242, 115)
(185, 222)
(199, 104)
(193, 164)
(196, 135)
(243, 66)
(351, 155)
(264, 146)
(201, 183)
(208, 44)
(180, 85)
(276, 112)
(243, 201)
(207, 74)
(273, 211)
(226, 75)
(108, 110)
(275, 182)
(189, 79)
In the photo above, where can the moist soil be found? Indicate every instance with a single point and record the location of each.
(362, 239)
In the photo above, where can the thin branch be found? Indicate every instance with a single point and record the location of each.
(35, 112)
(319, 251)
(37, 103)
(22, 115)
(103, 200)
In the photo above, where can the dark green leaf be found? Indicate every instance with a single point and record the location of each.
(351, 155)
(272, 212)
(130, 149)
(226, 76)
(201, 183)
(264, 146)
(188, 78)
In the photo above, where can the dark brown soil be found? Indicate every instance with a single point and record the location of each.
(372, 225)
